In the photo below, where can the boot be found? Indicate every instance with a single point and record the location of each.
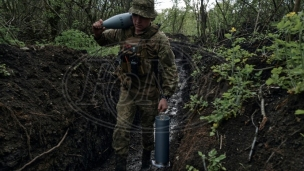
(146, 160)
(121, 163)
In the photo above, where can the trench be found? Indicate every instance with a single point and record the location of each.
(174, 111)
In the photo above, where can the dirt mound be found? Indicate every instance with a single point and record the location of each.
(278, 139)
(43, 103)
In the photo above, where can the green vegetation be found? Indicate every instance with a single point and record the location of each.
(299, 112)
(110, 50)
(7, 36)
(68, 23)
(288, 48)
(241, 80)
(196, 103)
(196, 59)
(175, 20)
(202, 20)
(214, 162)
(3, 70)
(289, 53)
(77, 40)
(191, 168)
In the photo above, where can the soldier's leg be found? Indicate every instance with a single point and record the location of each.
(147, 120)
(121, 135)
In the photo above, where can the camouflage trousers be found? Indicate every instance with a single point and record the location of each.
(129, 102)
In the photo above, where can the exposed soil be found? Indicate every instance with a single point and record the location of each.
(277, 139)
(41, 102)
(55, 114)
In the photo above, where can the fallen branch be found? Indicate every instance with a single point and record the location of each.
(263, 69)
(28, 138)
(46, 152)
(255, 136)
(264, 120)
(221, 141)
(204, 163)
(273, 152)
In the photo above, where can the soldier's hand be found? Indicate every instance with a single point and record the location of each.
(97, 28)
(162, 105)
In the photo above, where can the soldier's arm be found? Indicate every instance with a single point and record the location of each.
(169, 69)
(102, 36)
(109, 36)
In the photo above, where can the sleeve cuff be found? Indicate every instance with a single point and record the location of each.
(162, 96)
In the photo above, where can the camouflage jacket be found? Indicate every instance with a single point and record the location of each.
(156, 47)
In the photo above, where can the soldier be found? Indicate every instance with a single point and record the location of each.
(144, 50)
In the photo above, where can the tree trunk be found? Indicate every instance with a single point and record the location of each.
(203, 19)
(53, 18)
(296, 7)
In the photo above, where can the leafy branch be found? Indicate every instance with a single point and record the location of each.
(289, 53)
(214, 161)
(241, 78)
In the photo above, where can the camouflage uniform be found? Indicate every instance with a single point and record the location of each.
(141, 90)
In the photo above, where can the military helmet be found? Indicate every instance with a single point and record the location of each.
(144, 8)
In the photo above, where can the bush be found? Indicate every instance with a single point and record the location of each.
(7, 36)
(76, 39)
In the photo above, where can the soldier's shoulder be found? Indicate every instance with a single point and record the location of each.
(161, 36)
